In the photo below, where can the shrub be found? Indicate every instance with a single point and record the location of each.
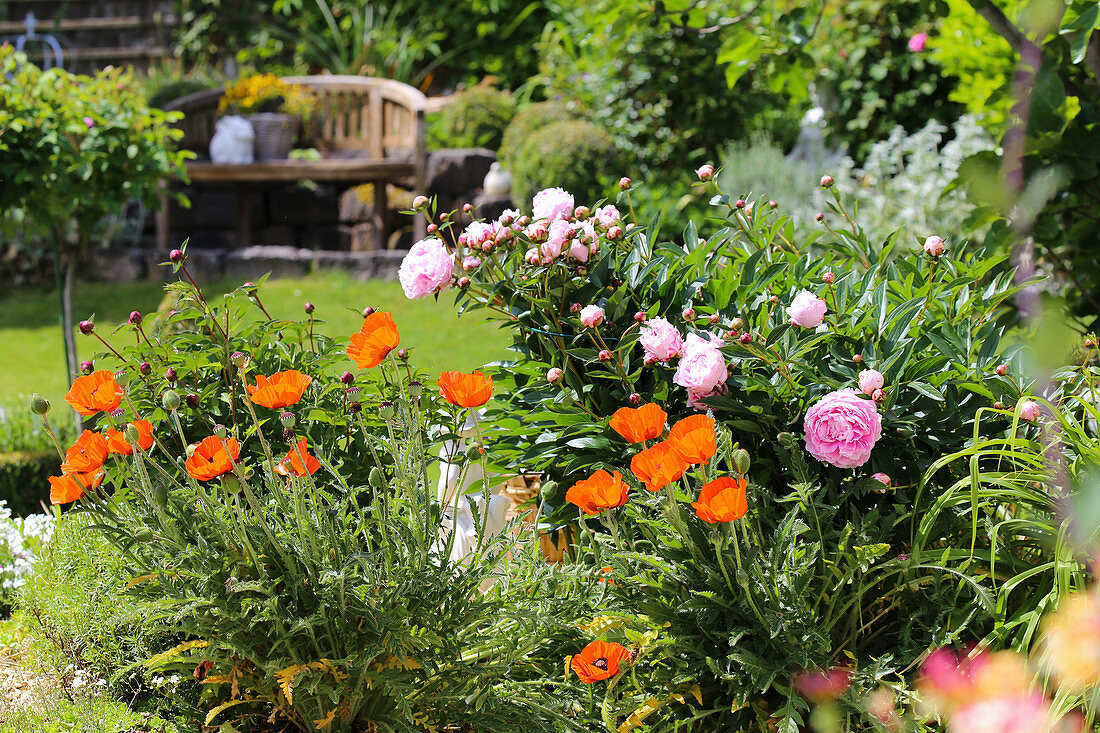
(867, 558)
(24, 476)
(526, 122)
(573, 153)
(476, 118)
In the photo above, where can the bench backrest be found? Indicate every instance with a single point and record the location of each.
(380, 117)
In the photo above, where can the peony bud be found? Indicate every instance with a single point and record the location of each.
(145, 368)
(309, 308)
(604, 355)
(347, 377)
(554, 375)
(882, 478)
(170, 399)
(367, 311)
(737, 324)
(591, 316)
(1002, 369)
(870, 380)
(741, 461)
(625, 184)
(829, 278)
(635, 398)
(878, 395)
(827, 181)
(820, 217)
(1030, 410)
(774, 204)
(688, 314)
(192, 400)
(176, 256)
(998, 405)
(640, 316)
(170, 374)
(419, 202)
(286, 419)
(86, 327)
(135, 318)
(467, 208)
(615, 233)
(432, 229)
(713, 318)
(739, 203)
(463, 282)
(87, 367)
(582, 213)
(745, 338)
(857, 358)
(934, 246)
(403, 354)
(575, 308)
(39, 404)
(705, 172)
(1090, 343)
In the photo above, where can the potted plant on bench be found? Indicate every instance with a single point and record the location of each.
(275, 108)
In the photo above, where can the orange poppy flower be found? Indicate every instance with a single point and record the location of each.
(693, 438)
(375, 340)
(465, 390)
(599, 660)
(281, 389)
(211, 458)
(291, 463)
(70, 487)
(97, 392)
(116, 439)
(85, 455)
(658, 466)
(598, 492)
(722, 500)
(645, 423)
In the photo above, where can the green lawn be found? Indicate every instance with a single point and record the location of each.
(31, 337)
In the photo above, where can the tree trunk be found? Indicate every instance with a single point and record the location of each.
(64, 266)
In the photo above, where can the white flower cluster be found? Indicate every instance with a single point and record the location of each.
(20, 539)
(82, 678)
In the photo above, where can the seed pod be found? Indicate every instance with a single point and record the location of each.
(387, 410)
(415, 389)
(287, 419)
(122, 377)
(376, 477)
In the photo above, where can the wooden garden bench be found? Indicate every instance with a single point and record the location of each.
(368, 130)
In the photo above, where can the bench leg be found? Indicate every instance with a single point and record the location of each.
(380, 207)
(244, 215)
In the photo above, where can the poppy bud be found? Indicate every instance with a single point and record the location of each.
(739, 203)
(745, 338)
(170, 399)
(170, 374)
(1002, 369)
(786, 439)
(219, 430)
(39, 404)
(640, 316)
(87, 367)
(635, 398)
(829, 278)
(474, 451)
(741, 461)
(143, 534)
(176, 256)
(133, 436)
(605, 355)
(376, 477)
(625, 184)
(688, 314)
(347, 377)
(827, 181)
(367, 311)
(387, 410)
(554, 375)
(286, 419)
(86, 327)
(415, 389)
(145, 367)
(192, 400)
(713, 318)
(231, 483)
(122, 377)
(737, 323)
(419, 202)
(309, 308)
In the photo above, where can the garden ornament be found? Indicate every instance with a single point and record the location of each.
(232, 141)
(498, 182)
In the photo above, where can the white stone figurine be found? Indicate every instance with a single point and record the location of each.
(232, 141)
(458, 516)
(498, 182)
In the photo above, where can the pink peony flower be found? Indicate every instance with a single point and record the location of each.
(591, 316)
(426, 269)
(578, 251)
(1030, 410)
(477, 234)
(823, 685)
(470, 262)
(882, 478)
(870, 380)
(509, 215)
(702, 365)
(842, 428)
(695, 397)
(559, 233)
(551, 204)
(537, 231)
(1028, 713)
(807, 310)
(660, 340)
(607, 216)
(918, 42)
(934, 246)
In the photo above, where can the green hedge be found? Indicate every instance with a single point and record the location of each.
(24, 480)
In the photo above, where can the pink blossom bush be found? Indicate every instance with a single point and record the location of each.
(842, 429)
(426, 269)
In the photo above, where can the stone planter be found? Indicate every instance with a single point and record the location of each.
(275, 133)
